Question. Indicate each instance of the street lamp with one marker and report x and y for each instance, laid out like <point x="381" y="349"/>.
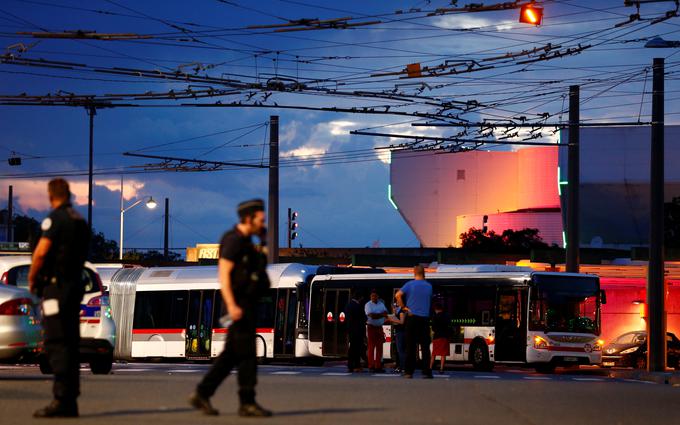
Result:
<point x="150" y="204"/>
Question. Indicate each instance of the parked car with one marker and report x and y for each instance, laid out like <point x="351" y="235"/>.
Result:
<point x="97" y="328"/>
<point x="630" y="350"/>
<point x="20" y="329"/>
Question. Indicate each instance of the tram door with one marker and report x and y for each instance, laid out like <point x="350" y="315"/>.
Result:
<point x="199" y="324"/>
<point x="511" y="326"/>
<point x="285" y="321"/>
<point x="335" y="324"/>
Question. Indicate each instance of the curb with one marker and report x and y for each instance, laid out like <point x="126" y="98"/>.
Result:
<point x="667" y="378"/>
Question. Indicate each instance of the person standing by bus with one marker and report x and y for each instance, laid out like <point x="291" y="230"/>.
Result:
<point x="398" y="322"/>
<point x="243" y="279"/>
<point x="416" y="297"/>
<point x="441" y="331"/>
<point x="376" y="312"/>
<point x="356" y="331"/>
<point x="56" y="275"/>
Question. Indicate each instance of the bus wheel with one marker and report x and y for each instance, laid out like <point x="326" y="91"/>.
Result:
<point x="546" y="368"/>
<point x="479" y="357"/>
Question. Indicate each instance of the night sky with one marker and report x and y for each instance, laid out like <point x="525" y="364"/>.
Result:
<point x="332" y="178"/>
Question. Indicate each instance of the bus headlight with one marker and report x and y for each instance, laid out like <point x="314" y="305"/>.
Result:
<point x="540" y="343"/>
<point x="598" y="345"/>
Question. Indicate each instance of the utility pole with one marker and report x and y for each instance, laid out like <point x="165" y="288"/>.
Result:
<point x="122" y="222"/>
<point x="573" y="177"/>
<point x="166" y="227"/>
<point x="273" y="213"/>
<point x="10" y="214"/>
<point x="656" y="287"/>
<point x="92" y="111"/>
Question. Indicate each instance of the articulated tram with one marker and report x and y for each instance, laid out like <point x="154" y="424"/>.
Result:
<point x="498" y="313"/>
<point x="174" y="312"/>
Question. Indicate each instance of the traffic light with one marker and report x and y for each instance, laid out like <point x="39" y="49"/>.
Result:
<point x="292" y="226"/>
<point x="531" y="14"/>
<point x="485" y="221"/>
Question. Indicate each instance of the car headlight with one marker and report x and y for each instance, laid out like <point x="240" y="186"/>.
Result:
<point x="540" y="343"/>
<point x="629" y="350"/>
<point x="598" y="345"/>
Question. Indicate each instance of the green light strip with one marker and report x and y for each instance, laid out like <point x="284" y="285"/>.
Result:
<point x="389" y="196"/>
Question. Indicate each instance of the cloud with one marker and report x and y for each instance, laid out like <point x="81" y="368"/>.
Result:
<point x="466" y="21"/>
<point x="131" y="188"/>
<point x="32" y="194"/>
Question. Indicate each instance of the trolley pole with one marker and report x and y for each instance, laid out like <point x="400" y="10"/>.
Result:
<point x="273" y="212"/>
<point x="573" y="171"/>
<point x="656" y="291"/>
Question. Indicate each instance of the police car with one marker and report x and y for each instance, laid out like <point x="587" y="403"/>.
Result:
<point x="97" y="328"/>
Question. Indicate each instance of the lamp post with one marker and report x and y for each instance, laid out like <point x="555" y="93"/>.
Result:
<point x="150" y="204"/>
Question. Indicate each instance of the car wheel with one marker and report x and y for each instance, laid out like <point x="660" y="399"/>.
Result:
<point x="641" y="362"/>
<point x="479" y="357"/>
<point x="44" y="365"/>
<point x="101" y="366"/>
<point x="547" y="368"/>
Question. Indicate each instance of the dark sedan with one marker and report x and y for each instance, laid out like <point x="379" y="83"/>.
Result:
<point x="630" y="350"/>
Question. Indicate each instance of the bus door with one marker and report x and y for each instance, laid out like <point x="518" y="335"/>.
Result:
<point x="284" y="330"/>
<point x="334" y="340"/>
<point x="199" y="324"/>
<point x="511" y="326"/>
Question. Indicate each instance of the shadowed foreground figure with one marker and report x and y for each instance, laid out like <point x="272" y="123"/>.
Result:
<point x="243" y="279"/>
<point x="56" y="275"/>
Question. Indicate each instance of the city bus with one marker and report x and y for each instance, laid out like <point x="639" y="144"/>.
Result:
<point x="499" y="314"/>
<point x="174" y="312"/>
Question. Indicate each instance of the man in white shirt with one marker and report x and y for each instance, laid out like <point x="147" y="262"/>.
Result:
<point x="376" y="312"/>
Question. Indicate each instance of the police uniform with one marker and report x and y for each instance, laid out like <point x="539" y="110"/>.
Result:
<point x="248" y="282"/>
<point x="61" y="284"/>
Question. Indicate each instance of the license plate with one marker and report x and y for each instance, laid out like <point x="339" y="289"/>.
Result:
<point x="608" y="363"/>
<point x="571" y="359"/>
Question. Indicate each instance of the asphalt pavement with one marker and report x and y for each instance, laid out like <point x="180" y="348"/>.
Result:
<point x="156" y="393"/>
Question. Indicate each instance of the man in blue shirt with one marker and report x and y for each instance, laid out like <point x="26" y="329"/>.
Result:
<point x="416" y="297"/>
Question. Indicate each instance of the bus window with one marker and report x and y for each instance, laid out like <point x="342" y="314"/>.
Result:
<point x="161" y="310"/>
<point x="468" y="306"/>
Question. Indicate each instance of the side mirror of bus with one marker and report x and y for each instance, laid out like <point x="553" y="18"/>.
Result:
<point x="603" y="296"/>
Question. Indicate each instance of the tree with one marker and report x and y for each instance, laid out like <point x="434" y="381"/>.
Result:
<point x="509" y="240"/>
<point x="150" y="256"/>
<point x="102" y="249"/>
<point x="26" y="229"/>
<point x="672" y="223"/>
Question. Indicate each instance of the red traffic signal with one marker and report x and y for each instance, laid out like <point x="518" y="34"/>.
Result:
<point x="530" y="14"/>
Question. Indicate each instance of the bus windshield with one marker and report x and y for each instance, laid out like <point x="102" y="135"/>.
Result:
<point x="565" y="304"/>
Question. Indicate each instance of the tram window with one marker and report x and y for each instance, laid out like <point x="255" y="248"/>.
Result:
<point x="265" y="310"/>
<point x="303" y="308"/>
<point x="161" y="310"/>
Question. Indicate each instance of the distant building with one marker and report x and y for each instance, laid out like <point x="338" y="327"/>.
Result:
<point x="441" y="196"/>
